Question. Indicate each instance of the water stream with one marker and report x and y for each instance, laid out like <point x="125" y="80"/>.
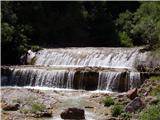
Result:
<point x="113" y="69"/>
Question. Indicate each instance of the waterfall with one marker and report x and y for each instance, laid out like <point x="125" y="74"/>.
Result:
<point x="135" y="79"/>
<point x="80" y="68"/>
<point x="42" y="77"/>
<point x="70" y="79"/>
<point x="104" y="57"/>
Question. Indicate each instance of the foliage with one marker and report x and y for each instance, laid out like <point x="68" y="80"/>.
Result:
<point x="108" y="101"/>
<point x="156" y="91"/>
<point x="37" y="107"/>
<point x="14" y="34"/>
<point x="117" y="110"/>
<point x="154" y="78"/>
<point x="142" y="26"/>
<point x="125" y="40"/>
<point x="126" y="115"/>
<point x="35" y="48"/>
<point x="151" y="113"/>
<point x="32" y="106"/>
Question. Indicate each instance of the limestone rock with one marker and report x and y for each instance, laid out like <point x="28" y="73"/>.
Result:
<point x="131" y="94"/>
<point x="73" y="113"/>
<point x="134" y="105"/>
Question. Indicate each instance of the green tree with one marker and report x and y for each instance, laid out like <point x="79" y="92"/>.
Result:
<point x="147" y="24"/>
<point x="142" y="26"/>
<point x="14" y="35"/>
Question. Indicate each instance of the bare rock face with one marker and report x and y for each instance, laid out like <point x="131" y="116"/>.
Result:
<point x="131" y="94"/>
<point x="73" y="113"/>
<point x="10" y="107"/>
<point x="134" y="105"/>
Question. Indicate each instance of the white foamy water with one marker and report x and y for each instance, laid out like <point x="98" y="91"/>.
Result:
<point x="104" y="57"/>
<point x="56" y="68"/>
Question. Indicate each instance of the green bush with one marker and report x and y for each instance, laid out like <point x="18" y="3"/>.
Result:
<point x="37" y="107"/>
<point x="108" y="101"/>
<point x="126" y="115"/>
<point x="125" y="40"/>
<point x="151" y="113"/>
<point x="117" y="110"/>
<point x="35" y="48"/>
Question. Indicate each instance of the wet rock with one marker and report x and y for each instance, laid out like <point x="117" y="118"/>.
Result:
<point x="134" y="105"/>
<point x="73" y="113"/>
<point x="10" y="107"/>
<point x="131" y="94"/>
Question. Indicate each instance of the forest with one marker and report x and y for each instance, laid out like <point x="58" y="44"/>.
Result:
<point x="32" y="25"/>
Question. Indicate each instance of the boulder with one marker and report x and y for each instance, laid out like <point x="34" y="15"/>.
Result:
<point x="10" y="107"/>
<point x="131" y="94"/>
<point x="73" y="113"/>
<point x="134" y="105"/>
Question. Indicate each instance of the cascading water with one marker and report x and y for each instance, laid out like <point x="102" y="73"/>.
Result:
<point x="104" y="57"/>
<point x="135" y="80"/>
<point x="41" y="77"/>
<point x="109" y="69"/>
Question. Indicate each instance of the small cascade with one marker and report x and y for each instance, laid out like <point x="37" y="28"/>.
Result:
<point x="135" y="79"/>
<point x="104" y="57"/>
<point x="112" y="81"/>
<point x="42" y="77"/>
<point x="73" y="79"/>
<point x="70" y="79"/>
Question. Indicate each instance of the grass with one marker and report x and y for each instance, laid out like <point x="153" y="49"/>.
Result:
<point x="155" y="78"/>
<point x="126" y="115"/>
<point x="117" y="110"/>
<point x="156" y="91"/>
<point x="32" y="106"/>
<point x="108" y="101"/>
<point x="151" y="113"/>
<point x="37" y="107"/>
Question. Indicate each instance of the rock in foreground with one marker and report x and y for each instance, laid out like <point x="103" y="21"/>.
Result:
<point x="134" y="105"/>
<point x="131" y="94"/>
<point x="10" y="107"/>
<point x="73" y="113"/>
